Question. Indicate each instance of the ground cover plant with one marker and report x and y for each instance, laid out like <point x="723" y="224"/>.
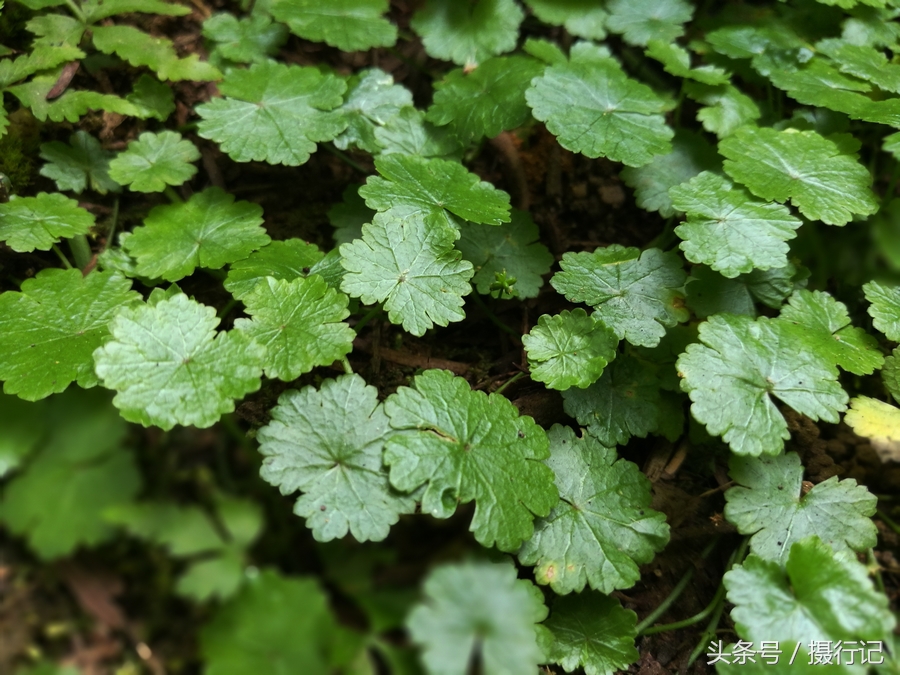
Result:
<point x="451" y="337"/>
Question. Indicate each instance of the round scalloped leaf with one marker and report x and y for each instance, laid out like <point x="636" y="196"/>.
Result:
<point x="640" y="21"/>
<point x="50" y="329"/>
<point x="467" y="445"/>
<point x="169" y="366"/>
<point x="209" y="230"/>
<point x="884" y="308"/>
<point x="273" y="112"/>
<point x="155" y="161"/>
<point x="479" y="610"/>
<point x="570" y="349"/>
<point x="349" y="25"/>
<point x="822" y="180"/>
<point x="372" y="100"/>
<point x="77" y="164"/>
<point x="251" y="39"/>
<point x="468" y="33"/>
<point x="29" y="223"/>
<point x="874" y="419"/>
<point x="299" y="322"/>
<point x="289" y="259"/>
<point x="603" y="527"/>
<point x="676" y="60"/>
<point x="328" y="444"/>
<point x="581" y="18"/>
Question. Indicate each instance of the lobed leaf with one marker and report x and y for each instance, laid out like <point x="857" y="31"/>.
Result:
<point x="288" y="260"/>
<point x="155" y="161"/>
<point x="581" y="18"/>
<point x="372" y="100"/>
<point x="884" y="308"/>
<point x="29" y="223"/>
<point x="640" y="21"/>
<point x="349" y="25"/>
<point x="251" y="39"/>
<point x="79" y="164"/>
<point x="158" y="54"/>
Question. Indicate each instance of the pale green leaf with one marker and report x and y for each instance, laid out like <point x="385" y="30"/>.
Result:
<point x="209" y="230"/>
<point x="251" y="39"/>
<point x="328" y="444"/>
<point x="479" y="610"/>
<point x="52" y="327"/>
<point x="274" y="112"/>
<point x="768" y="502"/>
<point x="603" y="527"/>
<point x="884" y="308"/>
<point x="410" y="267"/>
<point x="170" y="367"/>
<point x="466" y="445"/>
<point x="79" y="164"/>
<point x="288" y="260"/>
<point x="728" y="229"/>
<point x="372" y="100"/>
<point x="637" y="294"/>
<point x="408" y="133"/>
<point x="349" y="25"/>
<point x="732" y="377"/>
<point x="725" y="109"/>
<point x="640" y="21"/>
<point x="299" y="322"/>
<point x="29" y="223"/>
<point x="676" y="60"/>
<point x="569" y="349"/>
<point x="468" y="33"/>
<point x="154" y="161"/>
<point x="821" y="180"/>
<point x="581" y="18"/>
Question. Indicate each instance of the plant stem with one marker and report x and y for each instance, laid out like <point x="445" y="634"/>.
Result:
<point x="709" y="632"/>
<point x="875" y="570"/>
<point x="347" y="367"/>
<point x="81" y="251"/>
<point x="514" y="378"/>
<point x="114" y="222"/>
<point x="697" y="618"/>
<point x="63" y="259"/>
<point x="222" y="313"/>
<point x="367" y="317"/>
<point x="76" y="10"/>
<point x="890" y="522"/>
<point x="344" y="157"/>
<point x="172" y="195"/>
<point x="493" y="317"/>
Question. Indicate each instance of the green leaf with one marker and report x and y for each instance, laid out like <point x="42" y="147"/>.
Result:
<point x="158" y="54"/>
<point x="154" y="161"/>
<point x="251" y="39"/>
<point x="864" y="62"/>
<point x="23" y="427"/>
<point x="487" y="100"/>
<point x="884" y="308"/>
<point x="690" y="155"/>
<point x="732" y="377"/>
<point x="594" y="108"/>
<point x="50" y="329"/>
<point x="29" y="223"/>
<point x="274" y="112"/>
<point x="152" y="98"/>
<point x="676" y="60"/>
<point x="328" y="443"/>
<point x="73" y="104"/>
<point x="640" y="21"/>
<point x="725" y="109"/>
<point x="97" y="10"/>
<point x="288" y="260"/>
<point x="434" y="187"/>
<point x="581" y="18"/>
<point x="891" y="374"/>
<point x="768" y="502"/>
<point x="592" y="631"/>
<point x="218" y="577"/>
<point x="170" y="367"/>
<point x="469" y="445"/>
<point x="816" y="595"/>
<point x="728" y="229"/>
<point x="467" y="33"/>
<point x="875" y="420"/>
<point x="708" y="292"/>
<point x="570" y="349"/>
<point x="80" y="470"/>
<point x="349" y="25"/>
<point x="824" y="324"/>
<point x="43" y="58"/>
<point x="372" y="100"/>
<point x="624" y="402"/>
<point x="821" y="180"/>
<point x="479" y="610"/>
<point x="299" y="322"/>
<point x="512" y="248"/>
<point x="79" y="164"/>
<point x="408" y="133"/>
<point x="410" y="267"/>
<point x="603" y="526"/>
<point x="183" y="530"/>
<point x="209" y="230"/>
<point x="348" y="217"/>
<point x="275" y="625"/>
<point x="637" y="294"/>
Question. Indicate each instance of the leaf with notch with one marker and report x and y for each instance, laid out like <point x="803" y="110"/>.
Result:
<point x="676" y="60"/>
<point x="465" y="445"/>
<point x="154" y="161"/>
<point x="410" y="267"/>
<point x="349" y="25"/>
<point x="637" y="294"/>
<point x="884" y="308"/>
<point x="51" y="327"/>
<point x="251" y="39"/>
<point x="288" y="260"/>
<point x="822" y="180"/>
<point x="603" y="527"/>
<point x="299" y="322"/>
<point x="408" y="133"/>
<point x="768" y="503"/>
<point x="29" y="223"/>
<point x="169" y="366"/>
<point x="467" y="33"/>
<point x="581" y="18"/>
<point x="209" y="230"/>
<point x="158" y="54"/>
<point x="640" y="21"/>
<point x="372" y="100"/>
<point x="725" y="108"/>
<point x="274" y="112"/>
<point x="328" y="443"/>
<point x="79" y="164"/>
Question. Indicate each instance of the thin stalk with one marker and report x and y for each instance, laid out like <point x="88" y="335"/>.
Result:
<point x="514" y="378"/>
<point x="875" y="569"/>
<point x="367" y="317"/>
<point x="222" y="313"/>
<point x="697" y="618"/>
<point x="114" y="223"/>
<point x="709" y="632"/>
<point x="62" y="258"/>
<point x="493" y="317"/>
<point x="76" y="10"/>
<point x="343" y="156"/>
<point x="172" y="195"/>
<point x="890" y="522"/>
<point x="81" y="251"/>
<point x="889" y="190"/>
<point x="347" y="367"/>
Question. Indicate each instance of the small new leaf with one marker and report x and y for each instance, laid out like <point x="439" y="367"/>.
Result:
<point x="288" y="260"/>
<point x="79" y="164"/>
<point x="768" y="503"/>
<point x="29" y="223"/>
<point x="637" y="294"/>
<point x="154" y="161"/>
<point x="349" y="25"/>
<point x="170" y="367"/>
<point x="603" y="527"/>
<point x="468" y="445"/>
<point x="570" y="349"/>
<point x="884" y="308"/>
